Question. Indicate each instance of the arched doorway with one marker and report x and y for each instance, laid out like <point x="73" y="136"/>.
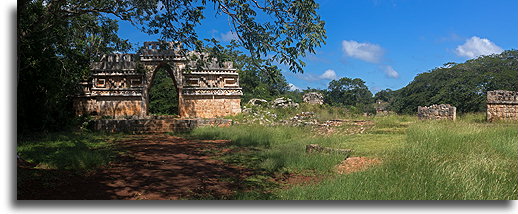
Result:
<point x="120" y="85"/>
<point x="162" y="92"/>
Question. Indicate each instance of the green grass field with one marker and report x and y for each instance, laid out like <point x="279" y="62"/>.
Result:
<point x="468" y="159"/>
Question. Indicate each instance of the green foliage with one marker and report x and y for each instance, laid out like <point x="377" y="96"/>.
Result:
<point x="57" y="40"/>
<point x="258" y="77"/>
<point x="74" y="151"/>
<point x="163" y="98"/>
<point x="386" y="95"/>
<point x="55" y="47"/>
<point x="349" y="92"/>
<point x="462" y="85"/>
<point x="288" y="29"/>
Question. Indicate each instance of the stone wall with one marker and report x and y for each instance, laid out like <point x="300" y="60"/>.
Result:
<point x="502" y="105"/>
<point x="437" y="112"/>
<point x="109" y="106"/>
<point x="119" y="84"/>
<point x="208" y="106"/>
<point x="156" y="125"/>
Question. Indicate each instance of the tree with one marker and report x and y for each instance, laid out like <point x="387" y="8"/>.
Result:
<point x="54" y="51"/>
<point x="462" y="85"/>
<point x="57" y="40"/>
<point x="163" y="98"/>
<point x="386" y="95"/>
<point x="347" y="91"/>
<point x="258" y="77"/>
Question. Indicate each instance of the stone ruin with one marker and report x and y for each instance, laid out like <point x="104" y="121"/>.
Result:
<point x="382" y="108"/>
<point x="283" y="102"/>
<point x="502" y="105"/>
<point x="437" y="112"/>
<point x="119" y="84"/>
<point x="257" y="102"/>
<point x="313" y="98"/>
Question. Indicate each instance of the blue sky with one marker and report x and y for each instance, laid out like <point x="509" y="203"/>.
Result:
<point x="388" y="42"/>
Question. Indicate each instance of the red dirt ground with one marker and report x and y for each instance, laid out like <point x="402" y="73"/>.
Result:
<point x="155" y="167"/>
<point x="355" y="164"/>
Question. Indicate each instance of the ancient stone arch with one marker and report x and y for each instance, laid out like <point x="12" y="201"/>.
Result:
<point x="119" y="84"/>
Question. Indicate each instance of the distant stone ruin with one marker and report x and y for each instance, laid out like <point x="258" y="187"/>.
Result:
<point x="382" y="108"/>
<point x="313" y="98"/>
<point x="502" y="105"/>
<point x="120" y="83"/>
<point x="437" y="112"/>
<point x="283" y="102"/>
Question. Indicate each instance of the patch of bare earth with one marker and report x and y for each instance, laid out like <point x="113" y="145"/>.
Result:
<point x="153" y="167"/>
<point x="356" y="164"/>
<point x="286" y="180"/>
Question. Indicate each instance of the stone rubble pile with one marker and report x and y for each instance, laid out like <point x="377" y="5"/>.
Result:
<point x="302" y="119"/>
<point x="283" y="102"/>
<point x="257" y="102"/>
<point x="313" y="98"/>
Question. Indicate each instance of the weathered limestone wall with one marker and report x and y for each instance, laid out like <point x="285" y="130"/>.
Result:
<point x="112" y="106"/>
<point x="502" y="105"/>
<point x="437" y="112"/>
<point x="119" y="84"/>
<point x="208" y="106"/>
<point x="156" y="125"/>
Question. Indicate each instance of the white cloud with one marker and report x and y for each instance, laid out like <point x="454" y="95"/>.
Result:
<point x="389" y="71"/>
<point x="364" y="51"/>
<point x="475" y="46"/>
<point x="293" y="87"/>
<point x="229" y="36"/>
<point x="328" y="74"/>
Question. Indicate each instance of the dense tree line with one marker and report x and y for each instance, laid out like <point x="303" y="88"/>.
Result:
<point x="462" y="85"/>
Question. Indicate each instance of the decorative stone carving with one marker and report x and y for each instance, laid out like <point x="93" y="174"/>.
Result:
<point x="119" y="84"/>
<point x="313" y="98"/>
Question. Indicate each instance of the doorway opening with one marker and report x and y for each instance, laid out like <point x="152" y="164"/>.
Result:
<point x="163" y="95"/>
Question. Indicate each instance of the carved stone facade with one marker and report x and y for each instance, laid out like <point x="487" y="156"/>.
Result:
<point x="502" y="105"/>
<point x="437" y="112"/>
<point x="119" y="84"/>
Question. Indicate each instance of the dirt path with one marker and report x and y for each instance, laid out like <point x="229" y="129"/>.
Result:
<point x="155" y="167"/>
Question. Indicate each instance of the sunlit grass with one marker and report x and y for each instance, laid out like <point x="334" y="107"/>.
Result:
<point x="466" y="159"/>
<point x="440" y="161"/>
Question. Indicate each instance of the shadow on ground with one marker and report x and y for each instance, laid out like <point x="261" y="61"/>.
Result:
<point x="152" y="167"/>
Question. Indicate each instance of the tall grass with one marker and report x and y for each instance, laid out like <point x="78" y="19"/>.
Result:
<point x="441" y="160"/>
<point x="280" y="149"/>
<point x="74" y="151"/>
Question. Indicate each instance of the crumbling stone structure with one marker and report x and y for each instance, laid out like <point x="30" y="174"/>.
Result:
<point x="437" y="112"/>
<point x="382" y="108"/>
<point x="313" y="98"/>
<point x="502" y="105"/>
<point x="119" y="84"/>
